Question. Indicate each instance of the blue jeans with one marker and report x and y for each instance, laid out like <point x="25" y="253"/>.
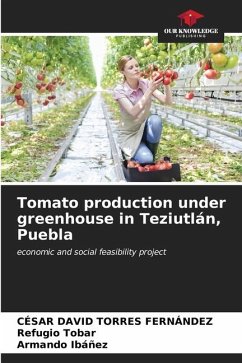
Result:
<point x="152" y="134"/>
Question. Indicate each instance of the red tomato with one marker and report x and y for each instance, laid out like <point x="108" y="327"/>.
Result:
<point x="189" y="96"/>
<point x="18" y="85"/>
<point x="152" y="167"/>
<point x="131" y="164"/>
<point x="166" y="81"/>
<point x="169" y="73"/>
<point x="205" y="65"/>
<point x="147" y="167"/>
<point x="161" y="166"/>
<point x="175" y="75"/>
<point x="20" y="102"/>
<point x="210" y="74"/>
<point x="168" y="165"/>
<point x="41" y="76"/>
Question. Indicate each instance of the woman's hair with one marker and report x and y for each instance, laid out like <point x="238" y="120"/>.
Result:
<point x="123" y="60"/>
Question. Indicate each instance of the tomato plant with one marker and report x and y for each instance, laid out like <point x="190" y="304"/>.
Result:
<point x="147" y="51"/>
<point x="52" y="61"/>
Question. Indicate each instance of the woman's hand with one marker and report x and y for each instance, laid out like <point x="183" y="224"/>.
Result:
<point x="155" y="84"/>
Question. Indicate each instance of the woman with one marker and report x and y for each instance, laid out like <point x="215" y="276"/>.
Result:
<point x="140" y="132"/>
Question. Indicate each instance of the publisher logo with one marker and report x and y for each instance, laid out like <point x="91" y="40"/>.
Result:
<point x="194" y="26"/>
<point x="190" y="17"/>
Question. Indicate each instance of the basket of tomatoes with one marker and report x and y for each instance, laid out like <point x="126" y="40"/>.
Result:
<point x="162" y="170"/>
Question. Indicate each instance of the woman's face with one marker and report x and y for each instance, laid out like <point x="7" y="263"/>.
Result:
<point x="131" y="69"/>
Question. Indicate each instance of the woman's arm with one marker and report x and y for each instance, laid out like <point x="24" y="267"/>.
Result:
<point x="134" y="110"/>
<point x="165" y="98"/>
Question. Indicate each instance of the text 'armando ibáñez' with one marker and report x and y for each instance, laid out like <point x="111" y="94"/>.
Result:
<point x="94" y="212"/>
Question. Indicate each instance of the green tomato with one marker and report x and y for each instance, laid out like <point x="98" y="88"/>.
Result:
<point x="162" y="46"/>
<point x="162" y="54"/>
<point x="20" y="77"/>
<point x="143" y="49"/>
<point x="152" y="58"/>
<point x="6" y="56"/>
<point x="6" y="47"/>
<point x="28" y="56"/>
<point x="232" y="61"/>
<point x="39" y="62"/>
<point x="50" y="68"/>
<point x="142" y="60"/>
<point x="220" y="59"/>
<point x="151" y="51"/>
<point x="139" y="54"/>
<point x="218" y="68"/>
<point x="34" y="62"/>
<point x="39" y="55"/>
